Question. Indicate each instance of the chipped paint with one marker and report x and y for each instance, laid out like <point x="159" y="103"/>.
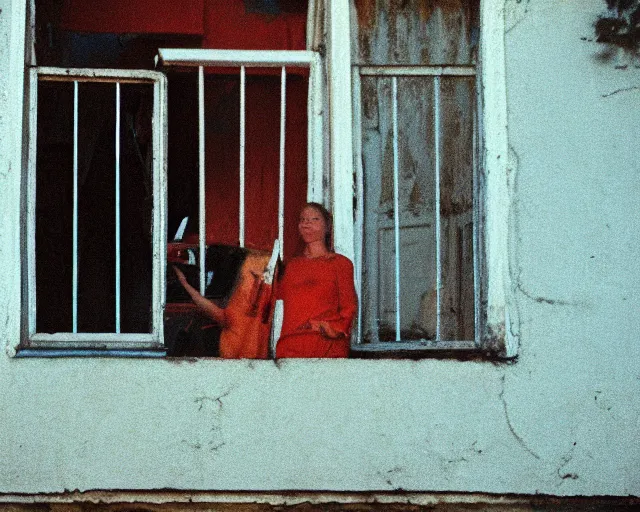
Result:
<point x="403" y="31"/>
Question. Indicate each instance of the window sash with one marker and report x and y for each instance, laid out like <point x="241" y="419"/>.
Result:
<point x="108" y="340"/>
<point x="243" y="59"/>
<point x="394" y="72"/>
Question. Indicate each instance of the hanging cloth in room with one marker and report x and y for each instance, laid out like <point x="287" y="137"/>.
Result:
<point x="138" y="16"/>
<point x="228" y="25"/>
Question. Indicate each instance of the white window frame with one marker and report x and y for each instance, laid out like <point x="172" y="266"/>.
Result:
<point x="33" y="340"/>
<point x="435" y="74"/>
<point x="497" y="322"/>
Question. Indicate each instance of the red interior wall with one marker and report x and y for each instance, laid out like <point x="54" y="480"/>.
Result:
<point x="223" y="23"/>
<point x="228" y="25"/>
<point x="135" y="16"/>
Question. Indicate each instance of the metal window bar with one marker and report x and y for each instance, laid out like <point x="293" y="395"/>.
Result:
<point x="283" y="116"/>
<point x="117" y="220"/>
<point x="242" y="151"/>
<point x="436" y="143"/>
<point x="107" y="340"/>
<point x="436" y="73"/>
<point x="359" y="214"/>
<point x="202" y="230"/>
<point x="396" y="203"/>
<point x="476" y="206"/>
<point x="74" y="299"/>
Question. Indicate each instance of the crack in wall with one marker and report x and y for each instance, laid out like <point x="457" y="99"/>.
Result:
<point x="201" y="400"/>
<point x="522" y="6"/>
<point x="545" y="300"/>
<point x="515" y="268"/>
<point x="389" y="474"/>
<point x="564" y="460"/>
<point x="214" y="440"/>
<point x="623" y="89"/>
<point x="518" y="438"/>
<point x="513" y="313"/>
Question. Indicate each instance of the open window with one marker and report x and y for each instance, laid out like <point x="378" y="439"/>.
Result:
<point x="258" y="125"/>
<point x="223" y="120"/>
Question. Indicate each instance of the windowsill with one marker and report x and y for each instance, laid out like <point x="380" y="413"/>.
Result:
<point x="425" y="349"/>
<point x="50" y="353"/>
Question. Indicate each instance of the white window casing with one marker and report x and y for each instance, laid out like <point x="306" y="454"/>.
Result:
<point x="116" y="340"/>
<point x="433" y="75"/>
<point x="244" y="59"/>
<point x="499" y="331"/>
<point x="340" y="124"/>
<point x="497" y="328"/>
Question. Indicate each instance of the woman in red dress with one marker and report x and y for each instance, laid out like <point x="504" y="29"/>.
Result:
<point x="318" y="293"/>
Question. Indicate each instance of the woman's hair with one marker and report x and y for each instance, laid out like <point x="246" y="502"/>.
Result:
<point x="328" y="220"/>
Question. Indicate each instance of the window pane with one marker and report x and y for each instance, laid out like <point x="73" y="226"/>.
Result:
<point x="188" y="333"/>
<point x="416" y="180"/>
<point x="54" y="207"/>
<point x="222" y="150"/>
<point x="456" y="208"/>
<point x="96" y="214"/>
<point x="417" y="157"/>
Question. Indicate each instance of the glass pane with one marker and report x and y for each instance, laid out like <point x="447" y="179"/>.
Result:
<point x="136" y="207"/>
<point x="416" y="198"/>
<point x="96" y="252"/>
<point x="187" y="332"/>
<point x="456" y="208"/>
<point x="54" y="207"/>
<point x="416" y="147"/>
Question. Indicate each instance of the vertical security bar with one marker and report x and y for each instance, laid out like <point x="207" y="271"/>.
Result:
<point x="436" y="90"/>
<point x="242" y="144"/>
<point x="283" y="110"/>
<point x="74" y="299"/>
<point x="396" y="201"/>
<point x="201" y="182"/>
<point x="117" y="207"/>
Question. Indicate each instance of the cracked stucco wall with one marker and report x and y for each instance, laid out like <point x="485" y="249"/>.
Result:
<point x="563" y="419"/>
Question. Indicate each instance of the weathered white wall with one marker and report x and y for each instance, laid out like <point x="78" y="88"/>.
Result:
<point x="563" y="419"/>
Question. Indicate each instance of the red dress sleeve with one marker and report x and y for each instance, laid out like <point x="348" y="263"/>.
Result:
<point x="347" y="298"/>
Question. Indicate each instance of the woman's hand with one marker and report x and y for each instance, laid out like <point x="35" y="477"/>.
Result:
<point x="324" y="328"/>
<point x="205" y="305"/>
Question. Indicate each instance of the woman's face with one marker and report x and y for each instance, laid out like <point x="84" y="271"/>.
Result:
<point x="312" y="226"/>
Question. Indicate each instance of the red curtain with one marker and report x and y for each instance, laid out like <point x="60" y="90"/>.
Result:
<point x="224" y="23"/>
<point x="261" y="167"/>
<point x="227" y="25"/>
<point x="134" y="16"/>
